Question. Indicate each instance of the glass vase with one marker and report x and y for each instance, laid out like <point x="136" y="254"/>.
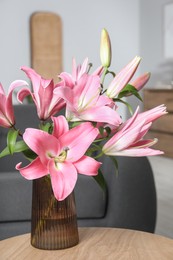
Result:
<point x="53" y="222"/>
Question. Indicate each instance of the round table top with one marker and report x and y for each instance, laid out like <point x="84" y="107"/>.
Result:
<point x="95" y="243"/>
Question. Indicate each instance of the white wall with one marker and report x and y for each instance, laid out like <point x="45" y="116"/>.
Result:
<point x="152" y="33"/>
<point x="82" y="24"/>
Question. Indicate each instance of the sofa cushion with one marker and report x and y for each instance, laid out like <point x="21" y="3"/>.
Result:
<point x="26" y="116"/>
<point x="10" y="229"/>
<point x="15" y="197"/>
<point x="91" y="200"/>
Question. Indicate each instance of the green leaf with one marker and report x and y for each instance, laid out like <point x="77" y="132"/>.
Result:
<point x="11" y="139"/>
<point x="111" y="72"/>
<point x="99" y="178"/>
<point x="29" y="154"/>
<point x="101" y="130"/>
<point x="129" y="90"/>
<point x="94" y="151"/>
<point x="20" y="146"/>
<point x="46" y="127"/>
<point x="125" y="103"/>
<point x="108" y="130"/>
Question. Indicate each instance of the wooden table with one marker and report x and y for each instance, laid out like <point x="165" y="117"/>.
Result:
<point x="95" y="243"/>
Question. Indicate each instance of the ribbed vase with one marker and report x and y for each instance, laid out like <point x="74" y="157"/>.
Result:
<point x="54" y="223"/>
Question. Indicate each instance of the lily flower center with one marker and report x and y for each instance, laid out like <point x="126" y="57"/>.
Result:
<point x="61" y="157"/>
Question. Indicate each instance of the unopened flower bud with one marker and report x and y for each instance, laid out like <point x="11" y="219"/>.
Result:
<point x="140" y="82"/>
<point x="105" y="49"/>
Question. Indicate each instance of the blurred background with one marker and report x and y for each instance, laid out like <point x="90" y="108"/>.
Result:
<point x="136" y="27"/>
<point x="82" y="22"/>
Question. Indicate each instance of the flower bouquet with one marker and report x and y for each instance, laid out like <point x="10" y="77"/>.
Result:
<point x="64" y="146"/>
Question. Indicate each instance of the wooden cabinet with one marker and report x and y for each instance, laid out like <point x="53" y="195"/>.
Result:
<point x="163" y="127"/>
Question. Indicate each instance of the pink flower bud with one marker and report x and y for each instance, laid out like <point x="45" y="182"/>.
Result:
<point x="140" y="82"/>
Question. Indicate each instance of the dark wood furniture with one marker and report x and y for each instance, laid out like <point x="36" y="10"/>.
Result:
<point x="163" y="127"/>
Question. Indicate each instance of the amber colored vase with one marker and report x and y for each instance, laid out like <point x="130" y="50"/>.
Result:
<point x="54" y="223"/>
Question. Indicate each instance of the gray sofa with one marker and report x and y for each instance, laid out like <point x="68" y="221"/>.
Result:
<point x="130" y="200"/>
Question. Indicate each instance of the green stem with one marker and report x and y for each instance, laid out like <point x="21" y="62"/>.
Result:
<point x="99" y="155"/>
<point x="104" y="75"/>
<point x="19" y="132"/>
<point x="41" y="221"/>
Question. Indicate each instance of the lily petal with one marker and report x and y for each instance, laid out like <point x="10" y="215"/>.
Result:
<point x="6" y="107"/>
<point x="78" y="140"/>
<point x="83" y="68"/>
<point x="153" y="114"/>
<point x="136" y="152"/>
<point x="42" y="143"/>
<point x="65" y="93"/>
<point x="140" y="82"/>
<point x="90" y="93"/>
<point x="121" y="142"/>
<point x="63" y="179"/>
<point x="34" y="170"/>
<point x="60" y="126"/>
<point x="33" y="76"/>
<point x="24" y="92"/>
<point x="122" y="78"/>
<point x="67" y="78"/>
<point x="46" y="101"/>
<point x="102" y="114"/>
<point x="87" y="165"/>
<point x="128" y="140"/>
<point x="9" y="106"/>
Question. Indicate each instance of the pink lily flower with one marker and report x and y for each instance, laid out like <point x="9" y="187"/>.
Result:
<point x="70" y="80"/>
<point x="47" y="102"/>
<point x="7" y="118"/>
<point x="77" y="72"/>
<point x="122" y="78"/>
<point x="152" y="114"/>
<point x="84" y="102"/>
<point x="140" y="82"/>
<point x="61" y="155"/>
<point x="128" y="141"/>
